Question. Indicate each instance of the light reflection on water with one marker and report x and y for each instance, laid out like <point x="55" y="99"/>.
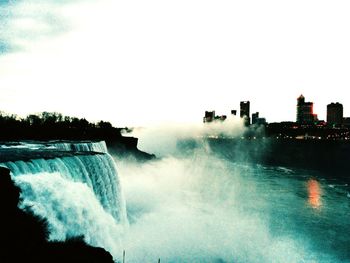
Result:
<point x="314" y="194"/>
<point x="306" y="205"/>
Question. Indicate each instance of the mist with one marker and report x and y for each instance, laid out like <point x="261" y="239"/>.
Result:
<point x="163" y="139"/>
<point x="204" y="209"/>
<point x="200" y="207"/>
<point x="191" y="206"/>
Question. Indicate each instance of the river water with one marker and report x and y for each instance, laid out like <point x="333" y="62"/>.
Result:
<point x="194" y="204"/>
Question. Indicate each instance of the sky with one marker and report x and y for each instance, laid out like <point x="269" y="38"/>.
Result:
<point x="139" y="62"/>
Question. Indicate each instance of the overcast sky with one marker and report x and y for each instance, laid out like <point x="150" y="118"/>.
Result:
<point x="142" y="62"/>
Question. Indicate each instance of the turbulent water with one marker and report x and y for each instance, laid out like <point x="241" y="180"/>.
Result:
<point x="204" y="208"/>
<point x="80" y="147"/>
<point x="191" y="206"/>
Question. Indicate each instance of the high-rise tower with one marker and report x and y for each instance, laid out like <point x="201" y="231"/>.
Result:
<point x="245" y="112"/>
<point x="305" y="114"/>
<point x="335" y="114"/>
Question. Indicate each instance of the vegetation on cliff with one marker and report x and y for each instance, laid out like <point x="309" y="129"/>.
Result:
<point x="53" y="125"/>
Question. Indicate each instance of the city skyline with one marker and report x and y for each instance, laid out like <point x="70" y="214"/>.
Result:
<point x="169" y="62"/>
<point x="304" y="113"/>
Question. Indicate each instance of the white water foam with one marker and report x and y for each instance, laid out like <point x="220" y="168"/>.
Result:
<point x="97" y="171"/>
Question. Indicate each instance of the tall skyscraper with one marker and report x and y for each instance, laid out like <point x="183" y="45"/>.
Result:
<point x="245" y="112"/>
<point x="305" y="114"/>
<point x="335" y="114"/>
<point x="255" y="117"/>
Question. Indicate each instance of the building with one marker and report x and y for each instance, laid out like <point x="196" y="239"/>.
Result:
<point x="346" y="122"/>
<point x="255" y="117"/>
<point x="261" y="121"/>
<point x="335" y="114"/>
<point x="209" y="116"/>
<point x="256" y="120"/>
<point x="305" y="114"/>
<point x="245" y="112"/>
<point x="220" y="118"/>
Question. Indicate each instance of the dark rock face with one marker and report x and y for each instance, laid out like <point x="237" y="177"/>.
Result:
<point x="24" y="236"/>
<point x="126" y="147"/>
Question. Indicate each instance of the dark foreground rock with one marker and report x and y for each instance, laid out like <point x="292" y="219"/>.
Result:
<point x="24" y="236"/>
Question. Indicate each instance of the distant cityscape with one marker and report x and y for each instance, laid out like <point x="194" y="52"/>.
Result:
<point x="244" y="114"/>
<point x="306" y="126"/>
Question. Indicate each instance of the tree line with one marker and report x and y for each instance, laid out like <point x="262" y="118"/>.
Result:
<point x="54" y="125"/>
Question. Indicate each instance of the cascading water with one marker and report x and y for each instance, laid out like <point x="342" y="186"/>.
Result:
<point x="71" y="208"/>
<point x="85" y="146"/>
<point x="81" y="146"/>
<point x="98" y="171"/>
<point x="197" y="207"/>
<point x="79" y="194"/>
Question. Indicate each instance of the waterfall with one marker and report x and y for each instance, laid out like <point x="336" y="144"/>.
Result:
<point x="80" y="146"/>
<point x="75" y="146"/>
<point x="95" y="170"/>
<point x="71" y="208"/>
